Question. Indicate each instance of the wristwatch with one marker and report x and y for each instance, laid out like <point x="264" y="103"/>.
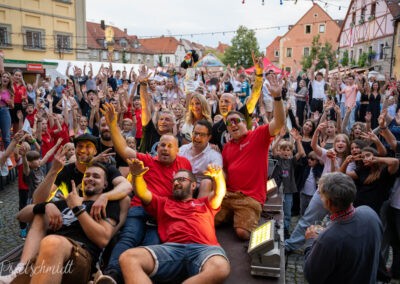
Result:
<point x="78" y="209"/>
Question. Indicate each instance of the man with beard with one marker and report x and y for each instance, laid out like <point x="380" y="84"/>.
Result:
<point x="140" y="228"/>
<point x="106" y="147"/>
<point x="60" y="176"/>
<point x="227" y="102"/>
<point x="190" y="247"/>
<point x="71" y="249"/>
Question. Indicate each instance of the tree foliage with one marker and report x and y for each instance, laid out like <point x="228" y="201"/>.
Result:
<point x="242" y="45"/>
<point x="345" y="59"/>
<point x="320" y="51"/>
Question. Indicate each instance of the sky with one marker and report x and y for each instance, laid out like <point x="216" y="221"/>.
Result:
<point x="188" y="17"/>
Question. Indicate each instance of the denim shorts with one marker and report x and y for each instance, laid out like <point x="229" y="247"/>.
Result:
<point x="175" y="261"/>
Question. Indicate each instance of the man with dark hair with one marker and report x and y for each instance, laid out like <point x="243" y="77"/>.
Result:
<point x="200" y="154"/>
<point x="140" y="228"/>
<point x="246" y="185"/>
<point x="351" y="242"/>
<point x="186" y="227"/>
<point x="69" y="252"/>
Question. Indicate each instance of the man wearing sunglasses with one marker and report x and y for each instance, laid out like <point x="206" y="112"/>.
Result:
<point x="245" y="161"/>
<point x="186" y="227"/>
<point x="227" y="102"/>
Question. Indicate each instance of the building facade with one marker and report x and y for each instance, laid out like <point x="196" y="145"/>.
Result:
<point x="296" y="43"/>
<point x="369" y="31"/>
<point x="166" y="50"/>
<point x="38" y="29"/>
<point x="272" y="51"/>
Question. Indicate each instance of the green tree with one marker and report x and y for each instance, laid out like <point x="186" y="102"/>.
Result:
<point x="363" y="60"/>
<point x="242" y="45"/>
<point x="345" y="58"/>
<point x="320" y="51"/>
<point x="160" y="61"/>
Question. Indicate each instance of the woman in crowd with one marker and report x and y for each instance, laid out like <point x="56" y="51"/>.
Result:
<point x="6" y="104"/>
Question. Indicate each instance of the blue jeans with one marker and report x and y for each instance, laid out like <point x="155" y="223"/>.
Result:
<point x="5" y="126"/>
<point x="315" y="212"/>
<point x="287" y="209"/>
<point x="172" y="260"/>
<point x="134" y="233"/>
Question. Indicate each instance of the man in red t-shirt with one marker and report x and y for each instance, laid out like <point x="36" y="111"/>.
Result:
<point x="246" y="167"/>
<point x="186" y="228"/>
<point x="140" y="227"/>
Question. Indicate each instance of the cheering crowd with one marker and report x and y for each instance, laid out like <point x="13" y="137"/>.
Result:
<point x="145" y="165"/>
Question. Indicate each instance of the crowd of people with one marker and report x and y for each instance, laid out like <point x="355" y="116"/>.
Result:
<point x="145" y="165"/>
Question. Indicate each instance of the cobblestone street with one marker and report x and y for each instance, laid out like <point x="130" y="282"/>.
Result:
<point x="9" y="232"/>
<point x="9" y="227"/>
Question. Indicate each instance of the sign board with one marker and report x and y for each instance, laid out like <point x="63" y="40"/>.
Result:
<point x="34" y="67"/>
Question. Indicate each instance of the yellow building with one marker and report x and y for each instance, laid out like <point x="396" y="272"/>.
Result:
<point x="33" y="30"/>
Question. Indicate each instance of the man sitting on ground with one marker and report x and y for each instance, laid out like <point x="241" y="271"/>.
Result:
<point x="69" y="253"/>
<point x="186" y="228"/>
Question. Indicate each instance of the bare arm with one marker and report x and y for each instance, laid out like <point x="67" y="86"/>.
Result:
<point x="118" y="140"/>
<point x="275" y="90"/>
<point x="314" y="141"/>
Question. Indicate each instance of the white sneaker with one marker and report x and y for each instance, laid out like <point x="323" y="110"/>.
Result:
<point x="6" y="279"/>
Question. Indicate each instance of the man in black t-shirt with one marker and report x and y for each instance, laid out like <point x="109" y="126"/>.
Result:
<point x="59" y="177"/>
<point x="71" y="249"/>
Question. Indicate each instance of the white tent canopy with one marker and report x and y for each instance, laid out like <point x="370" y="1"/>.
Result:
<point x="62" y="66"/>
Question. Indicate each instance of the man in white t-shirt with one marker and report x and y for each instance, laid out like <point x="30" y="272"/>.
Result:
<point x="318" y="87"/>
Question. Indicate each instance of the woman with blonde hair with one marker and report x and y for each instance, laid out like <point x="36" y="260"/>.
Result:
<point x="198" y="109"/>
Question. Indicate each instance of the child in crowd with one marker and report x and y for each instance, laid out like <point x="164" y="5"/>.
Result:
<point x="285" y="172"/>
<point x="70" y="153"/>
<point x="32" y="167"/>
<point x="309" y="182"/>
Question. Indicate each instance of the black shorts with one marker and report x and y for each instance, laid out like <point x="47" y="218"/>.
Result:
<point x="317" y="105"/>
<point x="13" y="113"/>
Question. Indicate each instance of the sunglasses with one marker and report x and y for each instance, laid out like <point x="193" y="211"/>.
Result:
<point x="181" y="179"/>
<point x="233" y="121"/>
<point x="312" y="159"/>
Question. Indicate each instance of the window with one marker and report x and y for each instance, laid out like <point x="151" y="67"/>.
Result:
<point x="128" y="56"/>
<point x="34" y="39"/>
<point x="360" y="52"/>
<point x="93" y="53"/>
<point x="381" y="48"/>
<point x="116" y="55"/>
<point x="351" y="54"/>
<point x="5" y="35"/>
<point x="373" y="10"/>
<point x="322" y="28"/>
<point x="353" y="18"/>
<point x="308" y="29"/>
<point x="289" y="52"/>
<point x="63" y="42"/>
<point x="362" y="16"/>
<point x="123" y="43"/>
<point x="306" y="51"/>
<point x="104" y="55"/>
<point x="167" y="60"/>
<point x="276" y="53"/>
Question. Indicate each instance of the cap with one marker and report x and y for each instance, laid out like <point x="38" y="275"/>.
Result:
<point x="86" y="137"/>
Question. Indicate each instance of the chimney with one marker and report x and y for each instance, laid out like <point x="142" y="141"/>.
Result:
<point x="125" y="31"/>
<point x="102" y="25"/>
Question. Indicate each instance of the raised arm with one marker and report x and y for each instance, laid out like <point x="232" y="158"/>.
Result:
<point x="118" y="140"/>
<point x="385" y="132"/>
<point x="216" y="196"/>
<point x="314" y="141"/>
<point x="137" y="170"/>
<point x="300" y="149"/>
<point x="275" y="90"/>
<point x="256" y="91"/>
